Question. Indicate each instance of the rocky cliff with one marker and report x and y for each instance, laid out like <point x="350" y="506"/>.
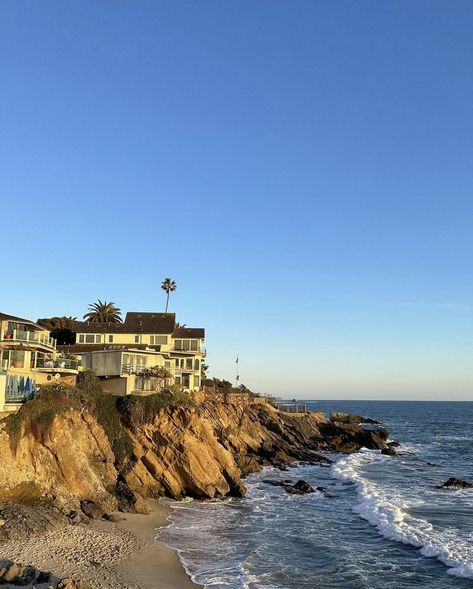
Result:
<point x="202" y="450"/>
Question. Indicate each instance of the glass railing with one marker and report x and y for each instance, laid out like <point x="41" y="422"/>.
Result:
<point x="57" y="364"/>
<point x="202" y="351"/>
<point x="33" y="337"/>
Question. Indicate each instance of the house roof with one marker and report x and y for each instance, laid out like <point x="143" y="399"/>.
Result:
<point x="158" y="323"/>
<point x="5" y="317"/>
<point x="189" y="332"/>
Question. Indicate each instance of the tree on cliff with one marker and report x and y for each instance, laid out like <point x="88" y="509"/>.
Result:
<point x="168" y="286"/>
<point x="103" y="313"/>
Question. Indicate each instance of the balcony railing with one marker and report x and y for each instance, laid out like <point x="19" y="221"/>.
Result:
<point x="201" y="351"/>
<point x="32" y="337"/>
<point x="132" y="368"/>
<point x="57" y="365"/>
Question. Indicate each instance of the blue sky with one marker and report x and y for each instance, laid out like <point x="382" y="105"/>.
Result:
<point x="302" y="169"/>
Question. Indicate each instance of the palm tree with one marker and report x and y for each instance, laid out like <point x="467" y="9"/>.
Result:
<point x="103" y="313"/>
<point x="168" y="286"/>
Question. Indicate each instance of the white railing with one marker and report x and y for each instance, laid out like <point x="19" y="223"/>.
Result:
<point x="132" y="368"/>
<point x="32" y="337"/>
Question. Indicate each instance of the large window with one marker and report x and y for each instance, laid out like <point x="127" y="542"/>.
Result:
<point x="187" y="345"/>
<point x="158" y="339"/>
<point x="90" y="338"/>
<point x="17" y="359"/>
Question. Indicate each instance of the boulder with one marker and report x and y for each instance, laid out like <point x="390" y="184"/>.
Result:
<point x="338" y="417"/>
<point x="91" y="509"/>
<point x="456" y="483"/>
<point x="389" y="451"/>
<point x="300" y="488"/>
<point x="112" y="517"/>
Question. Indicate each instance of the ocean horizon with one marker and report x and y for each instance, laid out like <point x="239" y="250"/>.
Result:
<point x="381" y="522"/>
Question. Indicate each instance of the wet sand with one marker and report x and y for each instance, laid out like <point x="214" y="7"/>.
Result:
<point x="107" y="555"/>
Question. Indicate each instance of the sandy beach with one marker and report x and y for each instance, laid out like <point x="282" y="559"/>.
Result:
<point x="121" y="555"/>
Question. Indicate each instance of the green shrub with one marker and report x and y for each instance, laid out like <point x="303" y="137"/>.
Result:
<point x="36" y="417"/>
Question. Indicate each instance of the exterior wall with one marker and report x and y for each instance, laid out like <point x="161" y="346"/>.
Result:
<point x="128" y="339"/>
<point x="103" y="364"/>
<point x="115" y="386"/>
<point x="174" y="351"/>
<point x="3" y="384"/>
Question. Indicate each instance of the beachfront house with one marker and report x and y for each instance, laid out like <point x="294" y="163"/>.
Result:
<point x="145" y="353"/>
<point x="28" y="359"/>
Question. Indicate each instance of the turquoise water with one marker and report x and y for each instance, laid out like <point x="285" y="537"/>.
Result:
<point x="381" y="523"/>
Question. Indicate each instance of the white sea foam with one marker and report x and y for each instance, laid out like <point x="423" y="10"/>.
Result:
<point x="387" y="510"/>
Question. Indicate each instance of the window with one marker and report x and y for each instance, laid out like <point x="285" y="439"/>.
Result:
<point x="159" y="339"/>
<point x="89" y="339"/>
<point x="196" y="380"/>
<point x="98" y="339"/>
<point x="137" y="339"/>
<point x="81" y="338"/>
<point x="197" y="365"/>
<point x="110" y="339"/>
<point x="189" y="363"/>
<point x="194" y="345"/>
<point x="167" y="364"/>
<point x="17" y="359"/>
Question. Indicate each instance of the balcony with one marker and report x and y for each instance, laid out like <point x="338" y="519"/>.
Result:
<point x="201" y="351"/>
<point x="132" y="368"/>
<point x="57" y="365"/>
<point x="27" y="337"/>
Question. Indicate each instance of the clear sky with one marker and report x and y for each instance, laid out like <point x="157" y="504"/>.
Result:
<point x="302" y="169"/>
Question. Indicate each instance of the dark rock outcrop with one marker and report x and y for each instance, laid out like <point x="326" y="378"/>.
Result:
<point x="338" y="417"/>
<point x="456" y="483"/>
<point x="18" y="575"/>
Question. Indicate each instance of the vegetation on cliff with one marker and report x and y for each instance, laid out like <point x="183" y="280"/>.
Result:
<point x="73" y="445"/>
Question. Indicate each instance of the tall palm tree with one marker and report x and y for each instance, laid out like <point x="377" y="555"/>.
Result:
<point x="168" y="286"/>
<point x="103" y="313"/>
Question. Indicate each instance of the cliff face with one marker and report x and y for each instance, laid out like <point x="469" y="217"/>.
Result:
<point x="202" y="451"/>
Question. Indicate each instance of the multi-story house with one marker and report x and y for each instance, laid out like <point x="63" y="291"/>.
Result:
<point x="28" y="358"/>
<point x="144" y="353"/>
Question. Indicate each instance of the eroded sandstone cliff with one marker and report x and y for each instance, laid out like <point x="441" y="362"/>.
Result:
<point x="202" y="450"/>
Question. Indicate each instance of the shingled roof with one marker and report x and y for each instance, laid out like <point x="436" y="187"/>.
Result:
<point x="135" y="322"/>
<point x="189" y="332"/>
<point x="5" y="317"/>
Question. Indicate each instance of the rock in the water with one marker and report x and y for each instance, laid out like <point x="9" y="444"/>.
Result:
<point x="457" y="483"/>
<point x="348" y="418"/>
<point x="389" y="451"/>
<point x="300" y="488"/>
<point x="283" y="483"/>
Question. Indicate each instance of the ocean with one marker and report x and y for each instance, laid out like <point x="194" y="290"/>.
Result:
<point x="382" y="522"/>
